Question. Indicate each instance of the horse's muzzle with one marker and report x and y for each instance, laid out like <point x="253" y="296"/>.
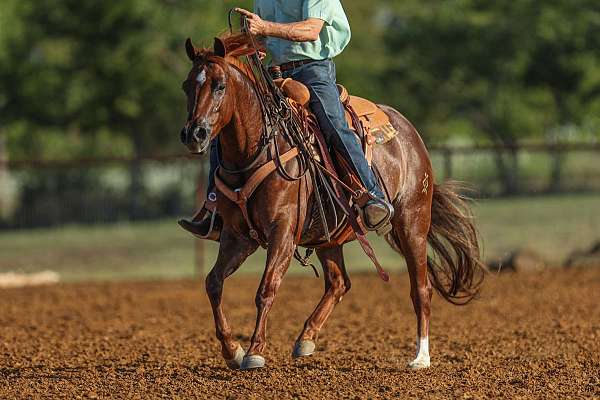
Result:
<point x="196" y="138"/>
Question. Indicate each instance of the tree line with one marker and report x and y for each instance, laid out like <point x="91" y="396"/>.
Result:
<point x="103" y="78"/>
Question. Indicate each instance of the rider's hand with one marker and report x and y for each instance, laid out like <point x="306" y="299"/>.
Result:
<point x="256" y="25"/>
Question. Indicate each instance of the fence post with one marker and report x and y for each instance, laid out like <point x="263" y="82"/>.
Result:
<point x="3" y="175"/>
<point x="199" y="243"/>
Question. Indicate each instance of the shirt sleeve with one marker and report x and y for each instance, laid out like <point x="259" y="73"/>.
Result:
<point x="318" y="9"/>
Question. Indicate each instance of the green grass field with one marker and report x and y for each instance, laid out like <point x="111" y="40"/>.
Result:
<point x="552" y="225"/>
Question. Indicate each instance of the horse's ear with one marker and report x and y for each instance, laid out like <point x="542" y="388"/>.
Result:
<point x="190" y="49"/>
<point x="219" y="48"/>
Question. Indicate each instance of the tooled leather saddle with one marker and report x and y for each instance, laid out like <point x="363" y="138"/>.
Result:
<point x="369" y="122"/>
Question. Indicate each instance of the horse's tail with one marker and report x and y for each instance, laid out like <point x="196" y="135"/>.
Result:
<point x="455" y="269"/>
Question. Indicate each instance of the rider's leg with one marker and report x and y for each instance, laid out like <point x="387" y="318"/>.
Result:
<point x="206" y="224"/>
<point x="320" y="78"/>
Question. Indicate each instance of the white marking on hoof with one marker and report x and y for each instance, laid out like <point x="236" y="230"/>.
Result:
<point x="238" y="357"/>
<point x="303" y="348"/>
<point x="252" y="362"/>
<point x="422" y="359"/>
<point x="419" y="363"/>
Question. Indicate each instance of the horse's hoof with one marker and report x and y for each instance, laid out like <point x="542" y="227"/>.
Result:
<point x="253" y="361"/>
<point x="303" y="348"/>
<point x="238" y="357"/>
<point x="419" y="363"/>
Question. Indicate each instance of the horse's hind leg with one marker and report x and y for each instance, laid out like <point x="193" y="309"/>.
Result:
<point x="410" y="232"/>
<point x="337" y="283"/>
<point x="232" y="253"/>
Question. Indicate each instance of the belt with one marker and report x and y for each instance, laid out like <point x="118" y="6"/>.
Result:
<point x="295" y="64"/>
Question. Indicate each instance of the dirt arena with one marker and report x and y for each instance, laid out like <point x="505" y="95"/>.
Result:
<point x="528" y="336"/>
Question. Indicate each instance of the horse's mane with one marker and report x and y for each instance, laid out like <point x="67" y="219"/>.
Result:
<point x="229" y="47"/>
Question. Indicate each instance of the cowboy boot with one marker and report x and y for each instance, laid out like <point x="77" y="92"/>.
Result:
<point x="377" y="215"/>
<point x="205" y="224"/>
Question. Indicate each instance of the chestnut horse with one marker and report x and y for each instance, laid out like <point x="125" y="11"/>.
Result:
<point x="222" y="100"/>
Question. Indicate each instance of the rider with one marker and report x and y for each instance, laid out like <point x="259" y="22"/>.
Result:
<point x="302" y="37"/>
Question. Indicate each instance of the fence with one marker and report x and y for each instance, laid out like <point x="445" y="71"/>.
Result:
<point x="525" y="169"/>
<point x="79" y="198"/>
<point x="46" y="193"/>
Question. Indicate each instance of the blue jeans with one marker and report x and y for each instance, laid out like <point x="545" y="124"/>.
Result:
<point x="320" y="78"/>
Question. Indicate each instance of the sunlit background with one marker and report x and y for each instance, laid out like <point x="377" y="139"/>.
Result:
<point x="93" y="178"/>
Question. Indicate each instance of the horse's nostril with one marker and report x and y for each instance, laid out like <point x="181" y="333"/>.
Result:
<point x="200" y="133"/>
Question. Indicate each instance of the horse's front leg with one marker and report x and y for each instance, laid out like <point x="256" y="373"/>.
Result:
<point x="337" y="283"/>
<point x="232" y="253"/>
<point x="279" y="255"/>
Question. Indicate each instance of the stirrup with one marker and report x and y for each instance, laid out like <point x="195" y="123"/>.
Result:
<point x="385" y="225"/>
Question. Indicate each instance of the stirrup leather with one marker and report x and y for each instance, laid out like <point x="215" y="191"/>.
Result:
<point x="213" y="216"/>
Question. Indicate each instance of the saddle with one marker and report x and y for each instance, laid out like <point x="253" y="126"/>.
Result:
<point x="369" y="122"/>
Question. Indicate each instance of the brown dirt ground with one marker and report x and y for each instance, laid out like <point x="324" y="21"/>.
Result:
<point x="528" y="336"/>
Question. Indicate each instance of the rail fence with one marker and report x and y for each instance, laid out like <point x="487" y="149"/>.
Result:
<point x="97" y="190"/>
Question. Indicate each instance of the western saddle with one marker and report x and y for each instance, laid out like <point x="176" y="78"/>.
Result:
<point x="375" y="126"/>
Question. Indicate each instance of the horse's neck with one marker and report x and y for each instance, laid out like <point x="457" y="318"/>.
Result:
<point x="241" y="138"/>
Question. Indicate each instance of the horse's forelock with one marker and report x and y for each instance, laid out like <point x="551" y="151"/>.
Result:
<point x="203" y="56"/>
<point x="206" y="56"/>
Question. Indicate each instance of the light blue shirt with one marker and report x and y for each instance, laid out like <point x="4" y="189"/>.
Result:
<point x="333" y="38"/>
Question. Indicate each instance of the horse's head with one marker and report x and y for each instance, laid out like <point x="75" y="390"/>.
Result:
<point x="208" y="104"/>
<point x="209" y="88"/>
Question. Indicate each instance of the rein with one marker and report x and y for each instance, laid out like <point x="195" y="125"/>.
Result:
<point x="242" y="170"/>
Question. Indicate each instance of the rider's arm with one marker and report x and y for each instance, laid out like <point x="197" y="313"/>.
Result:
<point x="302" y="31"/>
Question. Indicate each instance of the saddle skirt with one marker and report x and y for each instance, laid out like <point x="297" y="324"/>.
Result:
<point x="375" y="126"/>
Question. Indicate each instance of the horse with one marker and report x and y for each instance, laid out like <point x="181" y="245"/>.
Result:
<point x="222" y="101"/>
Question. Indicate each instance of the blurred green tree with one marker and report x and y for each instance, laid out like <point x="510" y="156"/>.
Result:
<point x="503" y="71"/>
<point x="103" y="78"/>
<point x="84" y="79"/>
<point x="97" y="77"/>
